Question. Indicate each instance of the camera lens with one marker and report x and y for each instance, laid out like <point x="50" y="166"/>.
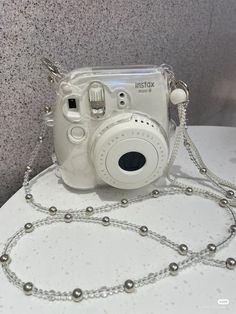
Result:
<point x="132" y="161"/>
<point x="127" y="152"/>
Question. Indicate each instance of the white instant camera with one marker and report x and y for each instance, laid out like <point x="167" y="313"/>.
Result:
<point x="112" y="126"/>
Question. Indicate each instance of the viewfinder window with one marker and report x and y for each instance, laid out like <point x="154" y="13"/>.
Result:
<point x="72" y="103"/>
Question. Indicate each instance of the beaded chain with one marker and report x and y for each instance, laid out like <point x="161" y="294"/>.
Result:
<point x="86" y="215"/>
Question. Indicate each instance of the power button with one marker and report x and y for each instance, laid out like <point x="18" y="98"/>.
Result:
<point x="76" y="134"/>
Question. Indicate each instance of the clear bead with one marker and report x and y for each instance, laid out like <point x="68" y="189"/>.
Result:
<point x="51" y="295"/>
<point x="91" y="294"/>
<point x="103" y="292"/>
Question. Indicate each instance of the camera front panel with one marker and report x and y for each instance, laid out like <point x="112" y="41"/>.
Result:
<point x="92" y="97"/>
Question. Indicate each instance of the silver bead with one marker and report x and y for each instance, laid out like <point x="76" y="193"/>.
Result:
<point x="189" y="190"/>
<point x="203" y="170"/>
<point x="143" y="230"/>
<point x="77" y="295"/>
<point x="233" y="228"/>
<point x="173" y="268"/>
<point x="89" y="210"/>
<point x="28" y="227"/>
<point x="230" y="263"/>
<point x="68" y="217"/>
<point x="124" y="202"/>
<point x="183" y="249"/>
<point x="40" y="139"/>
<point x="211" y="248"/>
<point x="28" y="168"/>
<point x="106" y="221"/>
<point x="155" y="193"/>
<point x="223" y="202"/>
<point x="5" y="259"/>
<point x="52" y="210"/>
<point x="129" y="286"/>
<point x="28" y="288"/>
<point x="229" y="194"/>
<point x="28" y="197"/>
<point x="47" y="109"/>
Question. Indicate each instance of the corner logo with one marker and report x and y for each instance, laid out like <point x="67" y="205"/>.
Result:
<point x="144" y="84"/>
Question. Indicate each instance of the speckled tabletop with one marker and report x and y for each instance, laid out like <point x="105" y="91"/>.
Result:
<point x="89" y="256"/>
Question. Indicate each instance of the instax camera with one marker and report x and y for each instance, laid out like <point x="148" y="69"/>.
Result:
<point x="112" y="126"/>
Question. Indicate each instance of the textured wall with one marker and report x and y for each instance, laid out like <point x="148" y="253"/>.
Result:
<point x="197" y="37"/>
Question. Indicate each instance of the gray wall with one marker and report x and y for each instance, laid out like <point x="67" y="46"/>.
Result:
<point x="198" y="38"/>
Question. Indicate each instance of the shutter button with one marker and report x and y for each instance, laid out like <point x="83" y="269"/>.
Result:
<point x="76" y="134"/>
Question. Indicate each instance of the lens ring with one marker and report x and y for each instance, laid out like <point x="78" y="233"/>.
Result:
<point x="122" y="134"/>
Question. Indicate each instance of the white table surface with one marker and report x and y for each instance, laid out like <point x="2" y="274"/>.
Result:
<point x="88" y="256"/>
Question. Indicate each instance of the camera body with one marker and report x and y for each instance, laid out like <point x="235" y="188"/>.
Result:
<point x="112" y="126"/>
